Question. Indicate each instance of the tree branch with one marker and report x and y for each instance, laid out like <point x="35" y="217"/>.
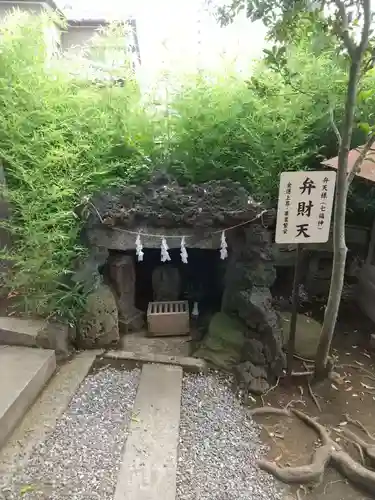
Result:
<point x="349" y="44"/>
<point x="334" y="126"/>
<point x="362" y="156"/>
<point x="366" y="27"/>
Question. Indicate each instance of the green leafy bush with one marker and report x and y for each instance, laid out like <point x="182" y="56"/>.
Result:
<point x="62" y="138"/>
<point x="222" y="128"/>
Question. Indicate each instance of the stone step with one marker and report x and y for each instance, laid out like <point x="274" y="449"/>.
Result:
<point x="188" y="363"/>
<point x="20" y="331"/>
<point x="148" y="470"/>
<point x="40" y="420"/>
<point x="29" y="332"/>
<point x="23" y="373"/>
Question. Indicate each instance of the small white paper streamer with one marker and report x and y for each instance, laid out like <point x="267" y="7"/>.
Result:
<point x="183" y="252"/>
<point x="139" y="248"/>
<point x="195" y="312"/>
<point x="164" y="255"/>
<point x="223" y="247"/>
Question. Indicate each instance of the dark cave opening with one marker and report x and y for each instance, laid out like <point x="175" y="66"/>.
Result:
<point x="201" y="280"/>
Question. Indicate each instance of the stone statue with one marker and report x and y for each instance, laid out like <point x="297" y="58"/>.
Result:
<point x="122" y="274"/>
<point x="166" y="283"/>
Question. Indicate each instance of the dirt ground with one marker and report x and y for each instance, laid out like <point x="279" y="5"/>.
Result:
<point x="353" y="394"/>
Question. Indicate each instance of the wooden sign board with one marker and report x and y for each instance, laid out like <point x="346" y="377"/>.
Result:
<point x="305" y="207"/>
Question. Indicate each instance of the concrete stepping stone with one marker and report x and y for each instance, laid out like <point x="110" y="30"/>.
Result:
<point x="23" y="374"/>
<point x="148" y="469"/>
<point x="20" y="331"/>
<point x="27" y="332"/>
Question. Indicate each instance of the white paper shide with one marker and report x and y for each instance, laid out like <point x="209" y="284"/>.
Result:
<point x="164" y="254"/>
<point x="139" y="248"/>
<point x="183" y="251"/>
<point x="223" y="246"/>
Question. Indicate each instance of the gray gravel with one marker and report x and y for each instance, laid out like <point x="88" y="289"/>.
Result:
<point x="219" y="445"/>
<point x="80" y="459"/>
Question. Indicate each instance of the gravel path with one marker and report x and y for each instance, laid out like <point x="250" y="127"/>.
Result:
<point x="80" y="459"/>
<point x="219" y="445"/>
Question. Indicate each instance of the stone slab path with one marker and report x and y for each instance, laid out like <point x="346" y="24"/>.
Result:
<point x="148" y="470"/>
<point x="116" y="439"/>
<point x="149" y="434"/>
<point x="141" y="343"/>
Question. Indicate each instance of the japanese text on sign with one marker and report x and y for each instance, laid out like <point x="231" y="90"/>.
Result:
<point x="305" y="206"/>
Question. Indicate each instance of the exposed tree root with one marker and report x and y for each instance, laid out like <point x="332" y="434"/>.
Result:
<point x="308" y="373"/>
<point x="367" y="373"/>
<point x="368" y="449"/>
<point x="305" y="474"/>
<point x="306" y="360"/>
<point x="269" y="410"/>
<point x="272" y="388"/>
<point x="331" y="375"/>
<point x="356" y="473"/>
<point x="293" y="402"/>
<point x="360" y="426"/>
<point x="347" y="437"/>
<point x="311" y="392"/>
<point x="313" y="396"/>
<point x="328" y="453"/>
<point x="318" y="428"/>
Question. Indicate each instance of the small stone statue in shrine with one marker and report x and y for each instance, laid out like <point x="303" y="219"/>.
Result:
<point x="166" y="283"/>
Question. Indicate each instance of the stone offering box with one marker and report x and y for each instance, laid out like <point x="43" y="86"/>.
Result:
<point x="168" y="318"/>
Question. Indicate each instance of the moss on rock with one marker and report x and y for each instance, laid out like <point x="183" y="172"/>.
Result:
<point x="222" y="346"/>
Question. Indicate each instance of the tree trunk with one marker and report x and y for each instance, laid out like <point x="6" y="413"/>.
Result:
<point x="339" y="244"/>
<point x="356" y="53"/>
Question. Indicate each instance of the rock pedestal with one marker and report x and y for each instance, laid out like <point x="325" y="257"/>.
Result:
<point x="223" y="344"/>
<point x="250" y="273"/>
<point x="98" y="326"/>
<point x="253" y="378"/>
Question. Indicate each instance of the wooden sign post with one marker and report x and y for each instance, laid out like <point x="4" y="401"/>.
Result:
<point x="303" y="216"/>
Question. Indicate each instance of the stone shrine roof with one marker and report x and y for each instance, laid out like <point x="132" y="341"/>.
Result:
<point x="164" y="203"/>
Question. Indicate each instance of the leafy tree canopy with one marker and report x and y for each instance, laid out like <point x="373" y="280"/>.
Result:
<point x="332" y="22"/>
